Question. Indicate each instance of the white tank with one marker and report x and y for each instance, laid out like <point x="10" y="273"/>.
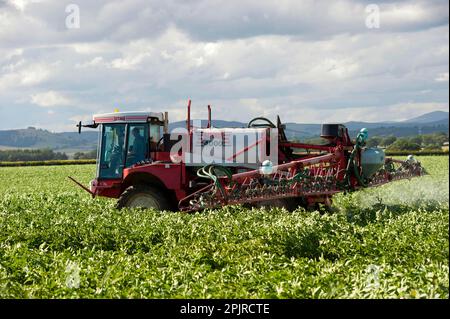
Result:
<point x="233" y="147"/>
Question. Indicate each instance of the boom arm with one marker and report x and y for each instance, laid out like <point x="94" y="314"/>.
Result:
<point x="320" y="176"/>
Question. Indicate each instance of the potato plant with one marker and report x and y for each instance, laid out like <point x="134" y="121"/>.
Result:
<point x="386" y="242"/>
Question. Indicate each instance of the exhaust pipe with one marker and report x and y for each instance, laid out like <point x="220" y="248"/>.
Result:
<point x="209" y="116"/>
<point x="166" y="123"/>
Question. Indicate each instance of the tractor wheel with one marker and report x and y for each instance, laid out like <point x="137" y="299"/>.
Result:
<point x="144" y="197"/>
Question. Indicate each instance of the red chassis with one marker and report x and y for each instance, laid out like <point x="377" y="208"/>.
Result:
<point x="312" y="177"/>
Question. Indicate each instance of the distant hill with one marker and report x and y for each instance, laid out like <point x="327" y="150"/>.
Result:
<point x="71" y="141"/>
<point x="428" y="123"/>
<point x="436" y="116"/>
<point x="38" y="138"/>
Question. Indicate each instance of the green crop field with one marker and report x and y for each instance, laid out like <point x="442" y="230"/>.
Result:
<point x="386" y="242"/>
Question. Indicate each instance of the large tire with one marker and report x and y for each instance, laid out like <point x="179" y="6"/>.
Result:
<point x="144" y="197"/>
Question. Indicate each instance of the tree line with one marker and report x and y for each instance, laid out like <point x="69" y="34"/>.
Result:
<point x="31" y="155"/>
<point x="85" y="155"/>
<point x="27" y="155"/>
<point x="427" y="142"/>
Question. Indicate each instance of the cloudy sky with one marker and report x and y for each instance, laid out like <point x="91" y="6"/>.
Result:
<point x="309" y="61"/>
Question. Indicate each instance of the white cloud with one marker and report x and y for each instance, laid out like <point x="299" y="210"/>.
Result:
<point x="19" y="4"/>
<point x="442" y="77"/>
<point x="129" y="62"/>
<point x="49" y="99"/>
<point x="34" y="75"/>
<point x="95" y="62"/>
<point x="308" y="61"/>
<point x="396" y="112"/>
<point x="20" y="74"/>
<point x="89" y="48"/>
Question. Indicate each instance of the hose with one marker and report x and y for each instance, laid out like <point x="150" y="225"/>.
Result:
<point x="210" y="172"/>
<point x="360" y="142"/>
<point x="269" y="122"/>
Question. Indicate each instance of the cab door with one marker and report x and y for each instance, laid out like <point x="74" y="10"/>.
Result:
<point x="111" y="156"/>
<point x="137" y="143"/>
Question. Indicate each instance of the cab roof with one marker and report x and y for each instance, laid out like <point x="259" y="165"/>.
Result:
<point x="127" y="117"/>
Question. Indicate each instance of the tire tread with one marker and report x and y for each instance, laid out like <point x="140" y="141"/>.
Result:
<point x="134" y="189"/>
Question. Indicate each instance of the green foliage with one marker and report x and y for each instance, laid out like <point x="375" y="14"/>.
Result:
<point x="387" y="141"/>
<point x="31" y="155"/>
<point x="404" y="144"/>
<point x="39" y="138"/>
<point x="47" y="163"/>
<point x="87" y="155"/>
<point x="424" y="152"/>
<point x="417" y="142"/>
<point x="374" y="141"/>
<point x="386" y="242"/>
<point x="434" y="141"/>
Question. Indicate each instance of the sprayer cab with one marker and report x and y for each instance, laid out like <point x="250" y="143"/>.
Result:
<point x="126" y="138"/>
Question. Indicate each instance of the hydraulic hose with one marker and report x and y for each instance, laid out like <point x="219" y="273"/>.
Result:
<point x="269" y="122"/>
<point x="210" y="172"/>
<point x="351" y="165"/>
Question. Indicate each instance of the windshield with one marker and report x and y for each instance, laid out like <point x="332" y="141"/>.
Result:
<point x="112" y="151"/>
<point x="135" y="141"/>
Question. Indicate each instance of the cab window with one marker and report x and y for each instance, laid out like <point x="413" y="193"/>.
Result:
<point x="155" y="136"/>
<point x="112" y="151"/>
<point x="137" y="144"/>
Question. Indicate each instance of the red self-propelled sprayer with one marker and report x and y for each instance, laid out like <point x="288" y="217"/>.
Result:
<point x="189" y="169"/>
